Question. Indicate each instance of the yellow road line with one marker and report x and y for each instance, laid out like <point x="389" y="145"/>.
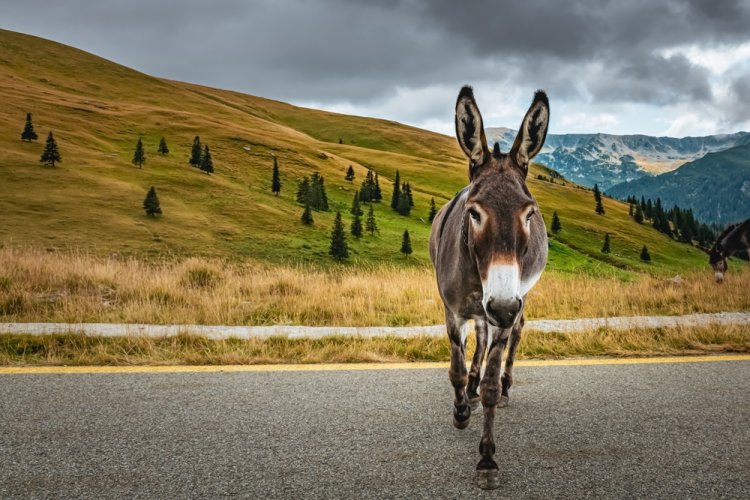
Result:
<point x="327" y="367"/>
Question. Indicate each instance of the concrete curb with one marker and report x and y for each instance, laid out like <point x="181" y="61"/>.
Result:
<point x="218" y="332"/>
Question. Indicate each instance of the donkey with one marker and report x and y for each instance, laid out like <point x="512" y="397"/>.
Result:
<point x="733" y="240"/>
<point x="489" y="247"/>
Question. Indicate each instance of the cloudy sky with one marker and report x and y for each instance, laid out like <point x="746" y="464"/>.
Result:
<point x="637" y="66"/>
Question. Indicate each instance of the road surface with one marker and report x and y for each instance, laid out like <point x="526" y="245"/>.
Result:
<point x="609" y="430"/>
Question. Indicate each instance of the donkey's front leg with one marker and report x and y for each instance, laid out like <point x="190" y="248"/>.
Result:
<point x="457" y="372"/>
<point x="507" y="379"/>
<point x="487" y="470"/>
<point x="472" y="389"/>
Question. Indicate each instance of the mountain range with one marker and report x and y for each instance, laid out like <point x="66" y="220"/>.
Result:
<point x="608" y="160"/>
<point x="716" y="187"/>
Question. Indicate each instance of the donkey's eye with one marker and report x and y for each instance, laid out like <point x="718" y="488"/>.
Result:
<point x="529" y="215"/>
<point x="474" y="215"/>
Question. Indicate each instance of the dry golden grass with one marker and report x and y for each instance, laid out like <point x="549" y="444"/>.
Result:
<point x="74" y="349"/>
<point x="36" y="286"/>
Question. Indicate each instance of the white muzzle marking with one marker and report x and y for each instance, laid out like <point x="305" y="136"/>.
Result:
<point x="503" y="283"/>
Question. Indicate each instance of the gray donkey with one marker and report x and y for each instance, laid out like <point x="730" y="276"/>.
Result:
<point x="489" y="248"/>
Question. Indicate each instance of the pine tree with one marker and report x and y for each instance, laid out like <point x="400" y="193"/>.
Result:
<point x="163" y="148"/>
<point x="433" y="210"/>
<point x="403" y="207"/>
<point x="339" y="249"/>
<point x="630" y="209"/>
<point x="276" y="180"/>
<point x="645" y="255"/>
<point x="370" y="225"/>
<point x="307" y="217"/>
<point x="318" y="197"/>
<point x="350" y="174"/>
<point x="686" y="232"/>
<point x="406" y="243"/>
<point x="207" y="164"/>
<point x="151" y="203"/>
<point x="649" y="211"/>
<point x="195" y="152"/>
<point x="51" y="155"/>
<point x="407" y="190"/>
<point x="139" y="157"/>
<point x="597" y="193"/>
<point x="356" y="209"/>
<point x="556" y="226"/>
<point x="396" y="192"/>
<point x="638" y="216"/>
<point x="377" y="194"/>
<point x="356" y="228"/>
<point x="599" y="207"/>
<point x="28" y="133"/>
<point x="605" y="248"/>
<point x="303" y="191"/>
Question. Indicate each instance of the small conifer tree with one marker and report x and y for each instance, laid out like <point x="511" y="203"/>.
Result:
<point x="396" y="192"/>
<point x="139" y="157"/>
<point x="350" y="174"/>
<point x="51" y="154"/>
<point x="28" y="133"/>
<point x="163" y="148"/>
<point x="433" y="210"/>
<point x="406" y="243"/>
<point x="195" y="152"/>
<point x="403" y="207"/>
<point x="556" y="226"/>
<point x="356" y="228"/>
<point x="630" y="209"/>
<point x="638" y="215"/>
<point x="339" y="249"/>
<point x="307" y="217"/>
<point x="407" y="190"/>
<point x="370" y="225"/>
<point x="356" y="209"/>
<point x="377" y="194"/>
<point x="276" y="180"/>
<point x="605" y="247"/>
<point x="151" y="203"/>
<point x="207" y="164"/>
<point x="645" y="256"/>
<point x="599" y="207"/>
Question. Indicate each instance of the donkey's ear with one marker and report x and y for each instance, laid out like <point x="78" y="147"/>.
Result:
<point x="470" y="129"/>
<point x="533" y="131"/>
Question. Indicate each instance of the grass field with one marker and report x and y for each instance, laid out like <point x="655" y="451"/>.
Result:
<point x="50" y="286"/>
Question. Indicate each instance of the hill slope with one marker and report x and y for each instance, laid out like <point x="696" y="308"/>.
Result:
<point x="607" y="159"/>
<point x="98" y="110"/>
<point x="716" y="187"/>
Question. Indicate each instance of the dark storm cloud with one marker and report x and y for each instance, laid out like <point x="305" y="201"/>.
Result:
<point x="361" y="52"/>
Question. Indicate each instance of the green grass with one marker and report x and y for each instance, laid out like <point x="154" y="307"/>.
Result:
<point x="98" y="110"/>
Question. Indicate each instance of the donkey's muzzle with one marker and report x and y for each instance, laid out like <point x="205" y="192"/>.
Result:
<point x="503" y="312"/>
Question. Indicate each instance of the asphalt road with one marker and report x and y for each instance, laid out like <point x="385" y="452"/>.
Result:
<point x="629" y="431"/>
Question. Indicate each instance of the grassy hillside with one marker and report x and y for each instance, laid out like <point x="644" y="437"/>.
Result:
<point x="98" y="110"/>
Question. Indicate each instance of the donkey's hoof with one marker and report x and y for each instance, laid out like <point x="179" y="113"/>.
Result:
<point x="460" y="424"/>
<point x="503" y="402"/>
<point x="488" y="479"/>
<point x="474" y="403"/>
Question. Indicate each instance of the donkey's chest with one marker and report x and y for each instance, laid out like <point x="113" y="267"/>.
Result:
<point x="471" y="306"/>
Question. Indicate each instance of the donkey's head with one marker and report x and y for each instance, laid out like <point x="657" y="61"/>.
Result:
<point x="718" y="261"/>
<point x="502" y="223"/>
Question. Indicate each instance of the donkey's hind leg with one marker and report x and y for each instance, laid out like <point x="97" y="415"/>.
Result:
<point x="457" y="372"/>
<point x="507" y="379"/>
<point x="472" y="388"/>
